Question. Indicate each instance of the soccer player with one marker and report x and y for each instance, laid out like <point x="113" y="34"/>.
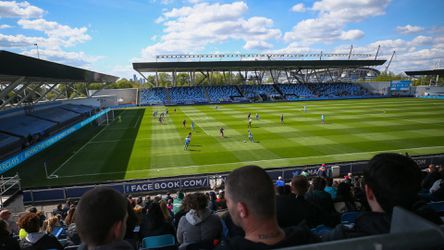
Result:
<point x="192" y="125"/>
<point x="249" y="123"/>
<point x="221" y="130"/>
<point x="250" y="136"/>
<point x="257" y="116"/>
<point x="187" y="141"/>
<point x="249" y="116"/>
<point x="184" y="123"/>
<point x="305" y="109"/>
<point x="282" y="118"/>
<point x="323" y="119"/>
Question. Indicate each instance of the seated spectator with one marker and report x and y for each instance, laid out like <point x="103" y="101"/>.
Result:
<point x="182" y="211"/>
<point x="101" y="219"/>
<point x="390" y="180"/>
<point x="199" y="224"/>
<point x="212" y="201"/>
<point x="293" y="209"/>
<point x="432" y="176"/>
<point x="168" y="216"/>
<point x="178" y="202"/>
<point x="35" y="239"/>
<point x="5" y="215"/>
<point x="323" y="202"/>
<point x="58" y="210"/>
<point x="329" y="188"/>
<point x="131" y="223"/>
<point x="154" y="223"/>
<point x="251" y="203"/>
<point x="280" y="182"/>
<point x="220" y="201"/>
<point x="7" y="242"/>
<point x="71" y="231"/>
<point x="345" y="198"/>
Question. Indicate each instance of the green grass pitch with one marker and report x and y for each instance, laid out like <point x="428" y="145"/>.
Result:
<point x="139" y="147"/>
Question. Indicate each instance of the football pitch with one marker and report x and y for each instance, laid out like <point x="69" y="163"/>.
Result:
<point x="137" y="146"/>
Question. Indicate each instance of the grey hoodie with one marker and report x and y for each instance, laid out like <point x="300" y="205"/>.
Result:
<point x="198" y="226"/>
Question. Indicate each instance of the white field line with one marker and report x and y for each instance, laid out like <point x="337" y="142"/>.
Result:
<point x="137" y="121"/>
<point x="80" y="149"/>
<point x="249" y="162"/>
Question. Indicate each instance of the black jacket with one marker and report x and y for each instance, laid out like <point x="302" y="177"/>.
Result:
<point x="293" y="236"/>
<point x="292" y="210"/>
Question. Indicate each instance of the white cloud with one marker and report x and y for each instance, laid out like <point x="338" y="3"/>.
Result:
<point x="259" y="45"/>
<point x="192" y="28"/>
<point x="298" y="7"/>
<point x="78" y="59"/>
<point x="407" y="29"/>
<point x="5" y="26"/>
<point x="58" y="35"/>
<point x="333" y="16"/>
<point x="13" y="9"/>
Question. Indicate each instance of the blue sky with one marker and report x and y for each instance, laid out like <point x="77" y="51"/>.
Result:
<point x="107" y="35"/>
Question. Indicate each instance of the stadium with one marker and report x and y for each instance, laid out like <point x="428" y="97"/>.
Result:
<point x="312" y="145"/>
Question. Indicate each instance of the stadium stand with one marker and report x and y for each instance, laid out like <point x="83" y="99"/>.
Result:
<point x="251" y="91"/>
<point x="9" y="145"/>
<point x="222" y="93"/>
<point x="152" y="96"/>
<point x="24" y="125"/>
<point x="187" y="95"/>
<point x="337" y="89"/>
<point x="244" y="93"/>
<point x="20" y="130"/>
<point x="295" y="91"/>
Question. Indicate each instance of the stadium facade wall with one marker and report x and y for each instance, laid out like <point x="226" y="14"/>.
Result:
<point x="95" y="102"/>
<point x="124" y="96"/>
<point x="429" y="91"/>
<point x="37" y="148"/>
<point x="381" y="88"/>
<point x="199" y="182"/>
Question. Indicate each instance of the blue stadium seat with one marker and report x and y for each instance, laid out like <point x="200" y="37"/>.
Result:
<point x="160" y="241"/>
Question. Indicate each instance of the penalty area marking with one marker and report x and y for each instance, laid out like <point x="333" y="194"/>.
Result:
<point x="245" y="162"/>
<point x="76" y="152"/>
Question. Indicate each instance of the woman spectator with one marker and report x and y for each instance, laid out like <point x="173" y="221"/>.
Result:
<point x="199" y="224"/>
<point x="35" y="239"/>
<point x="71" y="231"/>
<point x="154" y="223"/>
<point x="7" y="242"/>
<point x="167" y="215"/>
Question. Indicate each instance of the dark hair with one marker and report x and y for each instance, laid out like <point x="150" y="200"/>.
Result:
<point x="98" y="210"/>
<point x="197" y="201"/>
<point x="344" y="192"/>
<point x="252" y="186"/>
<point x="300" y="184"/>
<point x="395" y="180"/>
<point x="30" y="222"/>
<point x="154" y="216"/>
<point x="318" y="183"/>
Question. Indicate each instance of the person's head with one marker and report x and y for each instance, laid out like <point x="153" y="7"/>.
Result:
<point x="329" y="182"/>
<point x="180" y="195"/>
<point x="391" y="180"/>
<point x="249" y="193"/>
<point x="299" y="185"/>
<point x="164" y="208"/>
<point x="197" y="201"/>
<point x="33" y="210"/>
<point x="318" y="184"/>
<point x="30" y="222"/>
<point x="5" y="214"/>
<point x="52" y="223"/>
<point x="101" y="216"/>
<point x="344" y="191"/>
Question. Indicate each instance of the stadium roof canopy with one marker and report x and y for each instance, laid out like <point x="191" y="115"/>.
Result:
<point x="433" y="72"/>
<point x="15" y="65"/>
<point x="251" y="65"/>
<point x="28" y="80"/>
